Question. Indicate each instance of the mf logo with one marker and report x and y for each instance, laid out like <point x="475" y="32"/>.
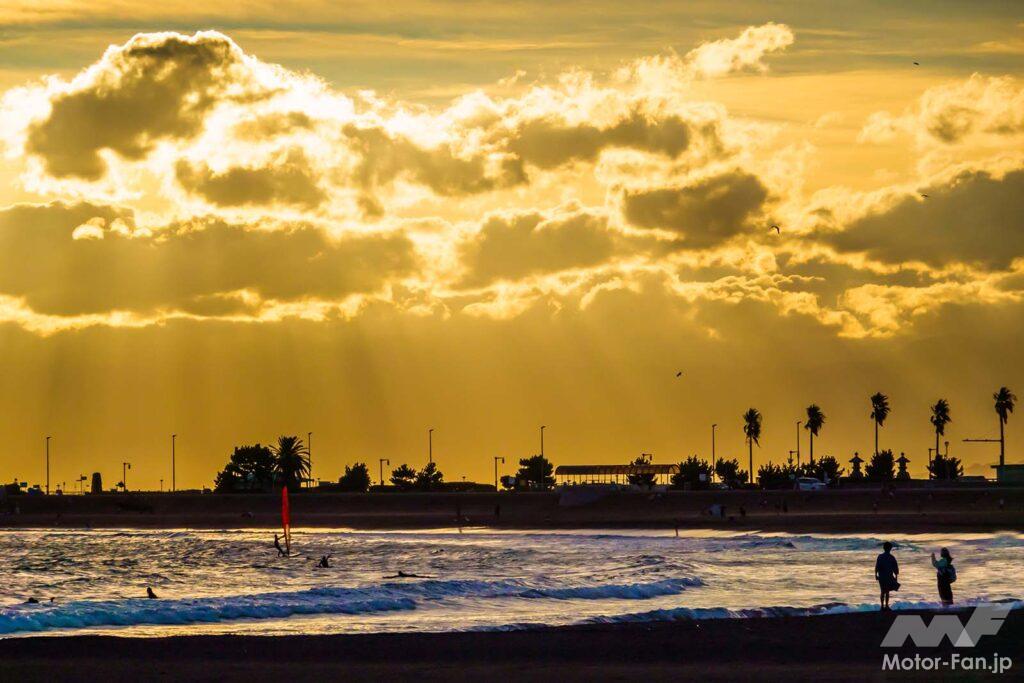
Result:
<point x="985" y="621"/>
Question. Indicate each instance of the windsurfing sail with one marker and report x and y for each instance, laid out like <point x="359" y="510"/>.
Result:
<point x="286" y="520"/>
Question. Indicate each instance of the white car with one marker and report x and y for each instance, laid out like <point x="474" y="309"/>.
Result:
<point x="810" y="484"/>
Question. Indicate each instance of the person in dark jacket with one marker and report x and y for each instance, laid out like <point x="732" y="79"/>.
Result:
<point x="945" y="575"/>
<point x="887" y="569"/>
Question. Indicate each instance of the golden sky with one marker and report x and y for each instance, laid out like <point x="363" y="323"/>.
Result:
<point x="248" y="219"/>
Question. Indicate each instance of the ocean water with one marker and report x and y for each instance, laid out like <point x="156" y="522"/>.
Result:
<point x="233" y="581"/>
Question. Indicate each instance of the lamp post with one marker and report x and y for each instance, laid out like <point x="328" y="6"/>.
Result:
<point x="48" y="465"/>
<point x="383" y="461"/>
<point x="309" y="455"/>
<point x="430" y="445"/>
<point x="125" y="466"/>
<point x="542" y="428"/>
<point x="81" y="484"/>
<point x="174" y="484"/>
<point x="496" y="459"/>
<point x="714" y="462"/>
<point x="798" y="423"/>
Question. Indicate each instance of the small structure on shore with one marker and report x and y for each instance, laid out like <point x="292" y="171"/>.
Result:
<point x="856" y="461"/>
<point x="567" y="475"/>
<point x="903" y="461"/>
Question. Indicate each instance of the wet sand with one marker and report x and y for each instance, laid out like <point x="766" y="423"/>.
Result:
<point x="919" y="510"/>
<point x="838" y="648"/>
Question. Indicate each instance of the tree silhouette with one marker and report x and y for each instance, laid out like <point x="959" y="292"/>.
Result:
<point x="729" y="471"/>
<point x="251" y="468"/>
<point x="881" y="467"/>
<point x="429" y="478"/>
<point x="815" y="421"/>
<point x="879" y="411"/>
<point x="945" y="468"/>
<point x="356" y="478"/>
<point x="939" y="419"/>
<point x="537" y="472"/>
<point x="642" y="479"/>
<point x="292" y="464"/>
<point x="403" y="477"/>
<point x="690" y="471"/>
<point x="1004" y="402"/>
<point x="752" y="430"/>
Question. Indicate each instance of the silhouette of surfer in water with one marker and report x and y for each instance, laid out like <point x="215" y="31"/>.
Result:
<point x="325" y="562"/>
<point x="403" y="575"/>
<point x="277" y="544"/>
<point x="150" y="594"/>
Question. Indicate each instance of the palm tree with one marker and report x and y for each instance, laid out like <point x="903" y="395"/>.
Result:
<point x="292" y="464"/>
<point x="940" y="418"/>
<point x="752" y="430"/>
<point x="815" y="421"/>
<point x="1005" y="400"/>
<point x="879" y="411"/>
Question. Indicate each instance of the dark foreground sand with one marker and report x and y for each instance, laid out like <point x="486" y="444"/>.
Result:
<point x="903" y="510"/>
<point x="823" y="648"/>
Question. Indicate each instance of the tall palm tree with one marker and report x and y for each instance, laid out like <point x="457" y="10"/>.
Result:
<point x="1005" y="401"/>
<point x="939" y="419"/>
<point x="815" y="421"/>
<point x="879" y="411"/>
<point x="752" y="430"/>
<point x="292" y="461"/>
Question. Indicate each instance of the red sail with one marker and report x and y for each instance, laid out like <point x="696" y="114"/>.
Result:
<point x="286" y="519"/>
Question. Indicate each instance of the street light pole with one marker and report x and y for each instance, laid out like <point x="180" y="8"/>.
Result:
<point x="174" y="483"/>
<point x="496" y="459"/>
<point x="430" y="445"/>
<point x="47" y="465"/>
<point x="542" y="427"/>
<point x="309" y="455"/>
<point x="714" y="461"/>
<point x="125" y="466"/>
<point x="382" y="462"/>
<point x="798" y="423"/>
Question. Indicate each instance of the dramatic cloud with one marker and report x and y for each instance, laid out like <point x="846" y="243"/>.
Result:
<point x="289" y="180"/>
<point x="949" y="114"/>
<point x="157" y="86"/>
<point x="97" y="263"/>
<point x="705" y="213"/>
<point x="974" y="218"/>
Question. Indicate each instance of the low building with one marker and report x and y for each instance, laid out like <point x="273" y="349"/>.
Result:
<point x="1009" y="474"/>
<point x="568" y="475"/>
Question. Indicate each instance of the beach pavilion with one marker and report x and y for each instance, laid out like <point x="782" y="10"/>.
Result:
<point x="612" y="474"/>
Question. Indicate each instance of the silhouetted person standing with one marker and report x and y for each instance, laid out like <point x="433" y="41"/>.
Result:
<point x="150" y="594"/>
<point x="277" y="544"/>
<point x="945" y="574"/>
<point x="886" y="571"/>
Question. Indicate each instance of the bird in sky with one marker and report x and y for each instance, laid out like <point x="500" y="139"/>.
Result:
<point x="679" y="374"/>
<point x="924" y="195"/>
<point x="916" y="64"/>
<point x="776" y="229"/>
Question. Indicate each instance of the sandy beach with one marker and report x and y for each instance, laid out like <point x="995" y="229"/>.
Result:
<point x="839" y="647"/>
<point x="918" y="510"/>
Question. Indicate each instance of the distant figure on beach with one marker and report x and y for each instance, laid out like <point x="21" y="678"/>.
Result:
<point x="150" y="594"/>
<point x="945" y="574"/>
<point x="325" y="562"/>
<point x="277" y="544"/>
<point x="886" y="571"/>
<point x="403" y="575"/>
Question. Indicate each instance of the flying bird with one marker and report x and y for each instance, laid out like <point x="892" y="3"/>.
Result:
<point x="679" y="374"/>
<point x="776" y="229"/>
<point x="924" y="195"/>
<point x="916" y="64"/>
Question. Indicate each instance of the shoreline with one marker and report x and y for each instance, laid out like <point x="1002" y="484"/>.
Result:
<point x="824" y="647"/>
